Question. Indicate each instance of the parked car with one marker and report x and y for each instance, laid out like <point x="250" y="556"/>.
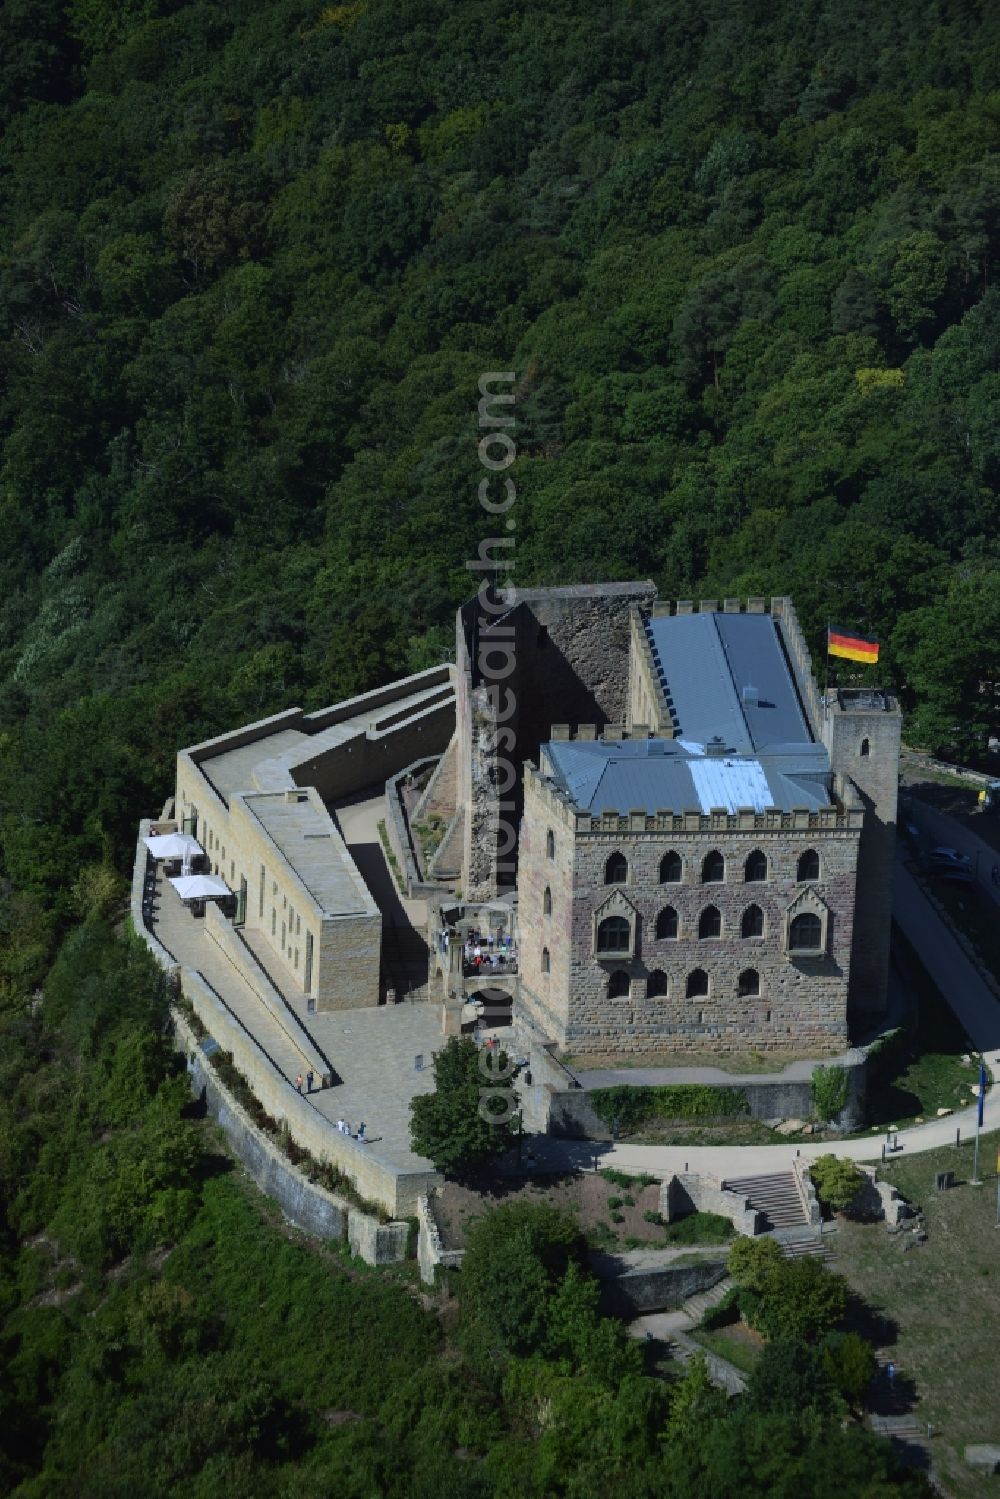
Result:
<point x="949" y="864"/>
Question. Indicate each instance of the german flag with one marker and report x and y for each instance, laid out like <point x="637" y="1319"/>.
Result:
<point x="853" y="647"/>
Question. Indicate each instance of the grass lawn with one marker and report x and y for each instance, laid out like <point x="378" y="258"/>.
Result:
<point x="941" y="1301"/>
<point x="737" y="1343"/>
<point x="749" y="1062"/>
<point x="699" y="1228"/>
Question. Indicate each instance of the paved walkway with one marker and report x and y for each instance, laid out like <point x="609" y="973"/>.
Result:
<point x="185" y="938"/>
<point x="372" y="1050"/>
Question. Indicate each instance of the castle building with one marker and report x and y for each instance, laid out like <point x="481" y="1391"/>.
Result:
<point x="706" y="861"/>
<point x="700" y="844"/>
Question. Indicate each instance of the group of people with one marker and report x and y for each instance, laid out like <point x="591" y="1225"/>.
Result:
<point x="309" y="1080"/>
<point x="345" y="1129"/>
<point x="484" y="950"/>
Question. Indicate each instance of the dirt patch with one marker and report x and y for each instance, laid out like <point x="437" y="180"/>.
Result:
<point x="588" y="1196"/>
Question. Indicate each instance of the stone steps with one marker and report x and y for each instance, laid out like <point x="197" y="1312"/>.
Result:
<point x="775" y="1195"/>
<point x="698" y="1305"/>
<point x="796" y="1244"/>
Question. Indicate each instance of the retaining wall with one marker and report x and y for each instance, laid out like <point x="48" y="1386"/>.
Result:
<point x="630" y="1290"/>
<point x="392" y="1190"/>
<point x="689" y="1192"/>
<point x="253" y="976"/>
<point x="430" y="1250"/>
<point x="571" y="1114"/>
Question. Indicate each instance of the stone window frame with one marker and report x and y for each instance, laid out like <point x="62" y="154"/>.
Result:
<point x="699" y="993"/>
<point x="616" y="904"/>
<point x="807" y="853"/>
<point x="550" y="844"/>
<point x="667" y="936"/>
<point x="744" y="993"/>
<point x="613" y="952"/>
<point x="706" y="911"/>
<point x="547" y="901"/>
<point x="613" y="858"/>
<point x="807" y="903"/>
<point x="865" y="748"/>
<point x="619" y="985"/>
<point x="658" y="978"/>
<point x="752" y="936"/>
<point x="680" y="866"/>
<point x="756" y="879"/>
<point x="713" y="853"/>
<point x="546" y="961"/>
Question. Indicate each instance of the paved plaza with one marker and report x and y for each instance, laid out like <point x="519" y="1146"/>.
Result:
<point x="373" y="1051"/>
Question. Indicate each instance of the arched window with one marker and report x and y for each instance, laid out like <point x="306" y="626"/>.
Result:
<point x="755" y="868"/>
<point x="710" y="922"/>
<point x="713" y="868"/>
<point x="866" y="748"/>
<point x="619" y="985"/>
<point x="671" y="868"/>
<point x="808" y="867"/>
<point x="656" y="984"/>
<point x="546" y="963"/>
<point x="748" y="983"/>
<point x="805" y="933"/>
<point x="666" y="923"/>
<point x="752" y="924"/>
<point x="616" y="869"/>
<point x="550" y="844"/>
<point x="547" y="902"/>
<point x="697" y="983"/>
<point x="613" y="934"/>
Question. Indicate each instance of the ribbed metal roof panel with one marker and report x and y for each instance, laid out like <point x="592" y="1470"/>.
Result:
<point x="756" y="659"/>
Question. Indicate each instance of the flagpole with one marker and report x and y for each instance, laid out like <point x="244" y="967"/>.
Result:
<point x="826" y="672"/>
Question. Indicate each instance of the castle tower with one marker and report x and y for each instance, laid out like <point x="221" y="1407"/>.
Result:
<point x="861" y="728"/>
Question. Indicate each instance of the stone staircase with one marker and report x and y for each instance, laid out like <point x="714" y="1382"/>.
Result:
<point x="698" y="1305"/>
<point x="776" y="1196"/>
<point x="799" y="1243"/>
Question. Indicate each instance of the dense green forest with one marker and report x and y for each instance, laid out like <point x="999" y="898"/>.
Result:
<point x="254" y="259"/>
<point x="163" y="1334"/>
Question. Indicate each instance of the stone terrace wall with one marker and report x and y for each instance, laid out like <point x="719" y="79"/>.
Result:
<point x="688" y="1192"/>
<point x="393" y="1190"/>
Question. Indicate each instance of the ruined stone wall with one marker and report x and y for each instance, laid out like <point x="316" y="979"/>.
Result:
<point x="557" y="655"/>
<point x="802" y="1005"/>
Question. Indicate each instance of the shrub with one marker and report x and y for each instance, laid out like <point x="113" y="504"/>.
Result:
<point x="725" y="1312"/>
<point x="836" y="1181"/>
<point x="830" y="1090"/>
<point x="785" y="1298"/>
<point x="632" y="1106"/>
<point x="622" y="1179"/>
<point x="850" y="1362"/>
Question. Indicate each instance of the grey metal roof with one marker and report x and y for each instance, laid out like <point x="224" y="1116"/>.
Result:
<point x="727" y="676"/>
<point x="660" y="774"/>
<point x="306" y="835"/>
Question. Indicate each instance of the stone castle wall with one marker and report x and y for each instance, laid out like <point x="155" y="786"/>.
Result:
<point x="802" y="1005"/>
<point x="557" y="655"/>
